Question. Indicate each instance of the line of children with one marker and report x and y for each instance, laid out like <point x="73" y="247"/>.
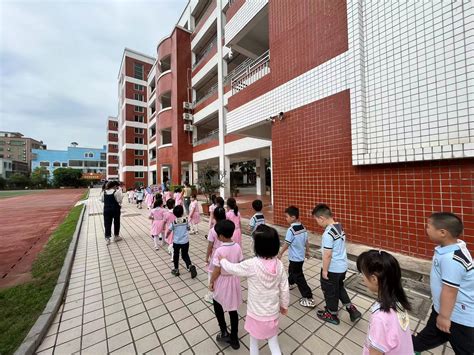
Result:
<point x="227" y="293"/>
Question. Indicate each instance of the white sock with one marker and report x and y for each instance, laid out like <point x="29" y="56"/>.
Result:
<point x="155" y="240"/>
<point x="253" y="346"/>
<point x="274" y="346"/>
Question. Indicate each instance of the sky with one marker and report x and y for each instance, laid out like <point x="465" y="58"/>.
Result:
<point x="59" y="62"/>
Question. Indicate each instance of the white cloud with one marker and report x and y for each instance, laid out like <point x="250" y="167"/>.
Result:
<point x="59" y="62"/>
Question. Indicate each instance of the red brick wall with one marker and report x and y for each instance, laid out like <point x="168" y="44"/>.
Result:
<point x="129" y="179"/>
<point x="129" y="67"/>
<point x="206" y="102"/>
<point x="164" y="48"/>
<point x="382" y="205"/>
<point x="111" y="125"/>
<point x="204" y="60"/>
<point x="215" y="142"/>
<point x="206" y="15"/>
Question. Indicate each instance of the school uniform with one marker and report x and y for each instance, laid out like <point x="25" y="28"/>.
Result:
<point x="296" y="238"/>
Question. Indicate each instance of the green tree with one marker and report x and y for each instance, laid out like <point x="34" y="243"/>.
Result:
<point x="18" y="181"/>
<point x="67" y="177"/>
<point x="210" y="180"/>
<point x="3" y="183"/>
<point x="39" y="177"/>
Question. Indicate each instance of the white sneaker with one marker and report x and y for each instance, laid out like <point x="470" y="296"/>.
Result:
<point x="117" y="238"/>
<point x="292" y="287"/>
<point x="107" y="241"/>
<point x="208" y="298"/>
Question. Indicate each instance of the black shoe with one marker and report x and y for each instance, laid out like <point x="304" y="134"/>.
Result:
<point x="175" y="272"/>
<point x="223" y="337"/>
<point x="326" y="316"/>
<point x="234" y="343"/>
<point x="354" y="313"/>
<point x="193" y="271"/>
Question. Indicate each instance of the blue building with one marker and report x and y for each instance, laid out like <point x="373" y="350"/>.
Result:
<point x="91" y="161"/>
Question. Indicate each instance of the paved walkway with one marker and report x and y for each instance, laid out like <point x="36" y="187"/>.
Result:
<point x="123" y="299"/>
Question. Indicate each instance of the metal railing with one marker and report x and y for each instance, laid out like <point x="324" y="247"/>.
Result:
<point x="254" y="71"/>
<point x="211" y="91"/>
<point x="237" y="70"/>
<point x="209" y="137"/>
<point x="202" y="54"/>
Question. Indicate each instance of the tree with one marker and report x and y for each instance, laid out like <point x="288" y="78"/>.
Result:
<point x="68" y="177"/>
<point x="210" y="180"/>
<point x="18" y="181"/>
<point x="39" y="177"/>
<point x="3" y="183"/>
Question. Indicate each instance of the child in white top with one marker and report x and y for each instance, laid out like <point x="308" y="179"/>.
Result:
<point x="389" y="326"/>
<point x="268" y="293"/>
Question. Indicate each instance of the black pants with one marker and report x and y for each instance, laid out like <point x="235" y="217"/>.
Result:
<point x="187" y="203"/>
<point x="109" y="216"/>
<point x="461" y="337"/>
<point x="334" y="290"/>
<point x="234" y="320"/>
<point x="296" y="276"/>
<point x="184" y="254"/>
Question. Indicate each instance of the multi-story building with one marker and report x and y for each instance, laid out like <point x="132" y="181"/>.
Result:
<point x="133" y="118"/>
<point x="18" y="148"/>
<point x="112" y="148"/>
<point x="91" y="161"/>
<point x="6" y="168"/>
<point x="368" y="107"/>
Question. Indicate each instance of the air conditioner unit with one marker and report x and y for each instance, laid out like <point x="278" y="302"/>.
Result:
<point x="187" y="116"/>
<point x="188" y="105"/>
<point x="188" y="127"/>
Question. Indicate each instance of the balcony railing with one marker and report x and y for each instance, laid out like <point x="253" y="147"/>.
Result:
<point x="254" y="71"/>
<point x="202" y="54"/>
<point x="211" y="91"/>
<point x="209" y="137"/>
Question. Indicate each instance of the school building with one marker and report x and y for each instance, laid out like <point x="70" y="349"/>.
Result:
<point x="91" y="161"/>
<point x="366" y="106"/>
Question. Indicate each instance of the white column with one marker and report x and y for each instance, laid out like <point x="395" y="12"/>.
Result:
<point x="225" y="191"/>
<point x="195" y="174"/>
<point x="191" y="172"/>
<point x="260" y="170"/>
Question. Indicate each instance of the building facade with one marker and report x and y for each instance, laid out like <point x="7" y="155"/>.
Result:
<point x="366" y="106"/>
<point x="91" y="161"/>
<point x="16" y="147"/>
<point x="6" y="168"/>
<point x="112" y="149"/>
<point x="133" y="118"/>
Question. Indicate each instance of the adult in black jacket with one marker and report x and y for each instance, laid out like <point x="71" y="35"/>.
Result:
<point x="112" y="199"/>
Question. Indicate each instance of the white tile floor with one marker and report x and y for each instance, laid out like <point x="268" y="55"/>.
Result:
<point x="122" y="299"/>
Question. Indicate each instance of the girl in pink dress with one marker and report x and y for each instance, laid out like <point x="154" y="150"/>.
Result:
<point x="166" y="195"/>
<point x="226" y="287"/>
<point x="268" y="292"/>
<point x="178" y="197"/>
<point x="150" y="198"/>
<point x="194" y="216"/>
<point x="169" y="218"/>
<point x="234" y="215"/>
<point x="216" y="202"/>
<point x="212" y="245"/>
<point x="157" y="215"/>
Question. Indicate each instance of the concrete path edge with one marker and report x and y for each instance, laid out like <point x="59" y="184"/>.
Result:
<point x="38" y="331"/>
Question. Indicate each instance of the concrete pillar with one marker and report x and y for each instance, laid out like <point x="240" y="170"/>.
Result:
<point x="195" y="169"/>
<point x="225" y="191"/>
<point x="260" y="170"/>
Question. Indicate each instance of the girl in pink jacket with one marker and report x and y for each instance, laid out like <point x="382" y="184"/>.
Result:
<point x="268" y="293"/>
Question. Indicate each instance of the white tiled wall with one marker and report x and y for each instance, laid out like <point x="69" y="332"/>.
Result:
<point x="246" y="13"/>
<point x="410" y="70"/>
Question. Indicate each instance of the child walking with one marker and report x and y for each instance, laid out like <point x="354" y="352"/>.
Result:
<point x="166" y="194"/>
<point x="258" y="218"/>
<point x="234" y="215"/>
<point x="194" y="216"/>
<point x="130" y="195"/>
<point x="389" y="325"/>
<point x="296" y="241"/>
<point x="452" y="288"/>
<point x="178" y="196"/>
<point x="139" y="197"/>
<point x="169" y="218"/>
<point x="212" y="245"/>
<point x="333" y="271"/>
<point x="179" y="227"/>
<point x="157" y="215"/>
<point x="226" y="287"/>
<point x="212" y="207"/>
<point x="268" y="293"/>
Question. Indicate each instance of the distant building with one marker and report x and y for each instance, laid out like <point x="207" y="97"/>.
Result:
<point x="6" y="168"/>
<point x="18" y="148"/>
<point x="112" y="148"/>
<point x="91" y="161"/>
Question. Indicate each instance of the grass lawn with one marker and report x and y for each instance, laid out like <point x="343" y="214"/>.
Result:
<point x="14" y="193"/>
<point x="21" y="305"/>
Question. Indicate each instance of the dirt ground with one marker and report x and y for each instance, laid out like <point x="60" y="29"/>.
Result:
<point x="26" y="222"/>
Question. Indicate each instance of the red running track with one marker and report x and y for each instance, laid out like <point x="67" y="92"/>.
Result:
<point x="26" y="222"/>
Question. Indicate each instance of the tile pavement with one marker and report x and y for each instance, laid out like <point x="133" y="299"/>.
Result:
<point x="122" y="299"/>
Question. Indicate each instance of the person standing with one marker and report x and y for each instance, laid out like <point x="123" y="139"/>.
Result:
<point x="187" y="192"/>
<point x="112" y="199"/>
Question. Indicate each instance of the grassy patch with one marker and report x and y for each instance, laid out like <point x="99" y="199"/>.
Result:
<point x="14" y="193"/>
<point x="21" y="305"/>
<point x="85" y="196"/>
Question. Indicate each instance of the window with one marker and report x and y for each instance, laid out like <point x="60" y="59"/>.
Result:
<point x="139" y="174"/>
<point x="103" y="156"/>
<point x="139" y="109"/>
<point x="91" y="164"/>
<point x="139" y="97"/>
<point x="166" y="136"/>
<point x="114" y="124"/>
<point x="139" y="119"/>
<point x="139" y="152"/>
<point x="138" y="87"/>
<point x="138" y="71"/>
<point x="56" y="163"/>
<point x="64" y="165"/>
<point x="44" y="163"/>
<point x="17" y="143"/>
<point x="89" y="155"/>
<point x="76" y="163"/>
<point x="138" y="130"/>
<point x="138" y="140"/>
<point x="138" y="161"/>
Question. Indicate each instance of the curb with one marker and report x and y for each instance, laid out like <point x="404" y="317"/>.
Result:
<point x="38" y="331"/>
